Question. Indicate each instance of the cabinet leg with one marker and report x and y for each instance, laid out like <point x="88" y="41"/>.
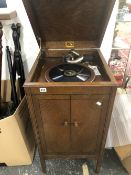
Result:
<point x="43" y="163"/>
<point x="98" y="165"/>
<point x="43" y="166"/>
<point x="99" y="161"/>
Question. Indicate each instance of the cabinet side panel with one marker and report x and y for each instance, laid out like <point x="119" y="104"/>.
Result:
<point x="106" y="127"/>
<point x="41" y="146"/>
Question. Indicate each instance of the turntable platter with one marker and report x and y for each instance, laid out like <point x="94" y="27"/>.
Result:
<point x="69" y="73"/>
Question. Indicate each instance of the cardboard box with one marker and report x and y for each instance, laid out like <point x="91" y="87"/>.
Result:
<point x="17" y="143"/>
<point x="124" y="154"/>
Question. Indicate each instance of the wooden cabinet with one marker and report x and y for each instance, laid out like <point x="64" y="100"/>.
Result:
<point x="70" y="119"/>
<point x="52" y="115"/>
<point x="71" y="124"/>
<point x="87" y="118"/>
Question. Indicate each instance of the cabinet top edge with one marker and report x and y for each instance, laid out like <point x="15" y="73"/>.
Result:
<point x="70" y="84"/>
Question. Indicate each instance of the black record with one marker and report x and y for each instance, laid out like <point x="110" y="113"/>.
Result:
<point x="70" y="73"/>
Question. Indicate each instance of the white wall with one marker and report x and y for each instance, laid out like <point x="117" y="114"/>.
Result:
<point x="108" y="38"/>
<point x="30" y="47"/>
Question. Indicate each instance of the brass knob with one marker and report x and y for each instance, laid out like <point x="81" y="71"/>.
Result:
<point x="76" y="124"/>
<point x="65" y="123"/>
<point x="98" y="103"/>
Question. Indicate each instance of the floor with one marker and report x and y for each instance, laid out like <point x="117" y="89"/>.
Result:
<point x="111" y="166"/>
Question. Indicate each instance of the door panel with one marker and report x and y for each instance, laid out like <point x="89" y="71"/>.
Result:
<point x="52" y="121"/>
<point x="87" y="120"/>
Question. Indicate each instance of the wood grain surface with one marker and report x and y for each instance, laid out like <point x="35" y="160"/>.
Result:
<point x="69" y="20"/>
<point x="70" y="120"/>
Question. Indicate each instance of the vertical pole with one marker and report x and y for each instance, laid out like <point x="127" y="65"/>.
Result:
<point x="1" y="34"/>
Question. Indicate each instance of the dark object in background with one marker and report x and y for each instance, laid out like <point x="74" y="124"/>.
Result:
<point x="89" y="58"/>
<point x="18" y="67"/>
<point x="3" y="4"/>
<point x="7" y="109"/>
<point x="16" y="35"/>
<point x="17" y="62"/>
<point x="1" y="33"/>
<point x="13" y="87"/>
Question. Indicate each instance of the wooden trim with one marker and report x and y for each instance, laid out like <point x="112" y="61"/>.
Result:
<point x="87" y="96"/>
<point x="71" y="90"/>
<point x="32" y="114"/>
<point x="6" y="14"/>
<point x="71" y="156"/>
<point x="53" y="97"/>
<point x="31" y="73"/>
<point x="69" y="84"/>
<point x="35" y="127"/>
<point x="77" y="44"/>
<point x="105" y="130"/>
<point x="107" y="68"/>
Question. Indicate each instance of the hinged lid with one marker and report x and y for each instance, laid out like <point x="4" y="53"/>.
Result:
<point x="58" y="22"/>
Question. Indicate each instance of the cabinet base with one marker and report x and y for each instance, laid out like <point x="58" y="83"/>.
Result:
<point x="96" y="169"/>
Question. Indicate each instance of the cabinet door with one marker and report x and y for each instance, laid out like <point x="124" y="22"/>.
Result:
<point x="87" y="118"/>
<point x="53" y="116"/>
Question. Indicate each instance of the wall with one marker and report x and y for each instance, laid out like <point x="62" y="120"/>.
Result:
<point x="108" y="38"/>
<point x="29" y="45"/>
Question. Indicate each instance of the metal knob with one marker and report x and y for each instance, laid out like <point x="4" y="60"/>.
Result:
<point x="65" y="123"/>
<point x="98" y="103"/>
<point x="76" y="124"/>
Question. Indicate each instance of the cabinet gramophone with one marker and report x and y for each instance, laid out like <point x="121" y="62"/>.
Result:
<point x="70" y="102"/>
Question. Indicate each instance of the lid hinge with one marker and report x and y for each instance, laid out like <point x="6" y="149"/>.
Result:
<point x="42" y="50"/>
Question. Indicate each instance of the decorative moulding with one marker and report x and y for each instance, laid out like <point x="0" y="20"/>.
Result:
<point x="6" y="14"/>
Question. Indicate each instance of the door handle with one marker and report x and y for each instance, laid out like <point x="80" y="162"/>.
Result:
<point x="66" y="123"/>
<point x="76" y="124"/>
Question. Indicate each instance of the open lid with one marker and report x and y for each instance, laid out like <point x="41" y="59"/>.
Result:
<point x="77" y="23"/>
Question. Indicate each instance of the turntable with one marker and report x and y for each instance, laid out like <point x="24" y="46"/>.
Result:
<point x="70" y="73"/>
<point x="70" y="93"/>
<point x="81" y="68"/>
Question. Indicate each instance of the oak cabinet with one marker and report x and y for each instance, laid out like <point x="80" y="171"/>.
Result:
<point x="70" y="119"/>
<point x="71" y="124"/>
<point x="87" y="116"/>
<point x="51" y="115"/>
